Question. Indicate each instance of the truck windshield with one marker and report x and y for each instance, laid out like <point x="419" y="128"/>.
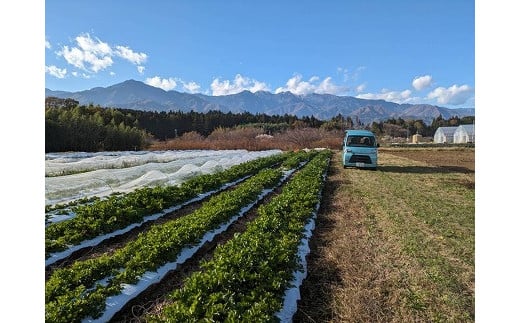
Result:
<point x="360" y="141"/>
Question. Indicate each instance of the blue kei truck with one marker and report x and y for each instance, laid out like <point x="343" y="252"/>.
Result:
<point x="360" y="149"/>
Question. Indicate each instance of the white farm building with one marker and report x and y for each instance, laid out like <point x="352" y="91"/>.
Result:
<point x="459" y="135"/>
<point x="444" y="135"/>
<point x="465" y="133"/>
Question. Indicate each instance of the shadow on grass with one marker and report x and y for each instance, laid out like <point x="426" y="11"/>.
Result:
<point x="425" y="169"/>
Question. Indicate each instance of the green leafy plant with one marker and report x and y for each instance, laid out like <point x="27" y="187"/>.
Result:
<point x="79" y="286"/>
<point x="247" y="277"/>
<point x="119" y="211"/>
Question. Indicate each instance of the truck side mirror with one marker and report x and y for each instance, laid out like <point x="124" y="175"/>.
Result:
<point x="377" y="144"/>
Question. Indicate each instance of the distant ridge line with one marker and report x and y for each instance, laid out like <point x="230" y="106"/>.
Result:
<point x="137" y="95"/>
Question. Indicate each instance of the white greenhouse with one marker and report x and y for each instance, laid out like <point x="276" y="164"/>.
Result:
<point x="444" y="135"/>
<point x="464" y="134"/>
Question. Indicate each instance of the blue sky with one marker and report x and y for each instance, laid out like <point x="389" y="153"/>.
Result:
<point x="388" y="43"/>
<point x="399" y="51"/>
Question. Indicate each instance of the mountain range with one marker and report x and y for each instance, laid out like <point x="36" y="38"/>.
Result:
<point x="137" y="95"/>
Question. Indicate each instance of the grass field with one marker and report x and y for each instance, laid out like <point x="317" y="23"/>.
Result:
<point x="397" y="244"/>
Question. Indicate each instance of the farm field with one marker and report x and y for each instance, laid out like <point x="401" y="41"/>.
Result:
<point x="456" y="159"/>
<point x="395" y="245"/>
<point x="264" y="260"/>
<point x="75" y="175"/>
<point x="392" y="245"/>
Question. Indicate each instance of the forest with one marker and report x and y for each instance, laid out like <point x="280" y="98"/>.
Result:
<point x="73" y="127"/>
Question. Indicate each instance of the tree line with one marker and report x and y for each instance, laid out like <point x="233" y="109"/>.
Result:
<point x="166" y="125"/>
<point x="73" y="127"/>
<point x="82" y="128"/>
<point x="405" y="128"/>
<point x="397" y="127"/>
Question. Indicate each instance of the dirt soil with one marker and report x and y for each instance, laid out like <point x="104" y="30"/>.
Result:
<point x="453" y="159"/>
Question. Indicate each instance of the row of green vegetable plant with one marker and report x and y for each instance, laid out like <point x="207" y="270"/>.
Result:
<point x="65" y="207"/>
<point x="117" y="212"/>
<point x="81" y="290"/>
<point x="247" y="277"/>
<point x="295" y="159"/>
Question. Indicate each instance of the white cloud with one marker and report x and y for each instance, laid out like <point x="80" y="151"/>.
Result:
<point x="99" y="64"/>
<point x="55" y="71"/>
<point x="239" y="84"/>
<point x="73" y="56"/>
<point x="165" y="84"/>
<point x="94" y="46"/>
<point x="191" y="87"/>
<point x="297" y="86"/>
<point x="453" y="95"/>
<point x="47" y="44"/>
<point x="130" y="55"/>
<point x="93" y="55"/>
<point x="422" y="82"/>
<point x="171" y="83"/>
<point x="327" y="87"/>
<point x="112" y="73"/>
<point x="387" y="95"/>
<point x="360" y="88"/>
<point x="405" y="94"/>
<point x="258" y="86"/>
<point x="83" y="75"/>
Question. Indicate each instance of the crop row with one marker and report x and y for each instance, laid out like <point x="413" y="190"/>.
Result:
<point x="117" y="212"/>
<point x="80" y="290"/>
<point x="247" y="277"/>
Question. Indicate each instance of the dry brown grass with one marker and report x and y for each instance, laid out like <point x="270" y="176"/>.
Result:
<point x="445" y="157"/>
<point x="395" y="245"/>
<point x="344" y="282"/>
<point x="252" y="139"/>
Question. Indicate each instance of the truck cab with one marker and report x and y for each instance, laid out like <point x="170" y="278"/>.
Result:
<point x="360" y="149"/>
